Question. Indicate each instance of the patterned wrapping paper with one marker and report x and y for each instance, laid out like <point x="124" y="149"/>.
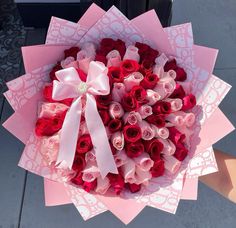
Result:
<point x="25" y="89"/>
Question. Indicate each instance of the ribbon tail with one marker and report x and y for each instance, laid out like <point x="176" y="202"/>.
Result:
<point x="104" y="156"/>
<point x="69" y="135"/>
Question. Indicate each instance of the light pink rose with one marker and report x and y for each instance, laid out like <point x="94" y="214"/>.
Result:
<point x="128" y="171"/>
<point x="84" y="58"/>
<point x="162" y="132"/>
<point x="152" y="96"/>
<point x="159" y="71"/>
<point x="189" y="119"/>
<point x="118" y="91"/>
<point x="147" y="131"/>
<point x="132" y="80"/>
<point x="91" y="172"/>
<point x="144" y="162"/>
<point x="169" y="147"/>
<point x="103" y="185"/>
<point x="120" y="158"/>
<point x="89" y="48"/>
<point x="176" y="104"/>
<point x="132" y="117"/>
<point x="51" y="109"/>
<point x="117" y="140"/>
<point x="90" y="157"/>
<point x="175" y="119"/>
<point x="141" y="176"/>
<point x="171" y="164"/>
<point x="165" y="87"/>
<point x="113" y="59"/>
<point x="145" y="111"/>
<point x="132" y="53"/>
<point x="83" y="130"/>
<point x="116" y="110"/>
<point x="170" y="73"/>
<point x="69" y="62"/>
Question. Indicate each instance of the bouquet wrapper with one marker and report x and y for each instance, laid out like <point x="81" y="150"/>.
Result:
<point x="176" y="41"/>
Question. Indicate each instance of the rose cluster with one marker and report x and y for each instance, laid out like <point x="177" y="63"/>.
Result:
<point x="147" y="116"/>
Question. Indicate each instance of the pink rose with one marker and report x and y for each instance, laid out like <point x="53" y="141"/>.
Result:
<point x="171" y="164"/>
<point x="176" y="104"/>
<point x="132" y="80"/>
<point x="90" y="172"/>
<point x="120" y="158"/>
<point x="158" y="70"/>
<point x="147" y="131"/>
<point x="145" y="111"/>
<point x="144" y="162"/>
<point x="128" y="171"/>
<point x="175" y="119"/>
<point x="48" y="110"/>
<point x="89" y="48"/>
<point x="116" y="110"/>
<point x="171" y="73"/>
<point x="117" y="140"/>
<point x="141" y="176"/>
<point x="189" y="119"/>
<point x="161" y="60"/>
<point x="84" y="58"/>
<point x="83" y="130"/>
<point x="168" y="147"/>
<point x="118" y="91"/>
<point x="113" y="59"/>
<point x="165" y="87"/>
<point x="69" y="62"/>
<point x="152" y="96"/>
<point x="103" y="185"/>
<point x="132" y="118"/>
<point x="132" y="53"/>
<point x="90" y="157"/>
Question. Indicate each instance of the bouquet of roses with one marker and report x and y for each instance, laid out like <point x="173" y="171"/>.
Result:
<point x="117" y="112"/>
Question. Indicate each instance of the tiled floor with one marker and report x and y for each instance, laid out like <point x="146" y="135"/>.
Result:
<point x="21" y="193"/>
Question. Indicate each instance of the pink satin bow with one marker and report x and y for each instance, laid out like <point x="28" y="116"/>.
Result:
<point x="71" y="86"/>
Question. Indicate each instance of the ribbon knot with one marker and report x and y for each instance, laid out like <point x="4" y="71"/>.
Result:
<point x="69" y="85"/>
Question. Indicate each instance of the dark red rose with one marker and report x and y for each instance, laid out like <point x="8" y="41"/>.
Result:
<point x="149" y="81"/>
<point x="146" y="66"/>
<point x="77" y="180"/>
<point x="142" y="48"/>
<point x="104" y="116"/>
<point x="181" y="152"/>
<point x="161" y="107"/>
<point x="139" y="93"/>
<point x="103" y="102"/>
<point x="129" y="66"/>
<point x="107" y="42"/>
<point x="82" y="75"/>
<point x="158" y="168"/>
<point x="154" y="147"/>
<point x="134" y="187"/>
<point x="178" y="92"/>
<point x="117" y="182"/>
<point x="72" y="52"/>
<point x="120" y="47"/>
<point x="157" y="120"/>
<point x="79" y="162"/>
<point x="56" y="68"/>
<point x="115" y="74"/>
<point x="101" y="58"/>
<point x="129" y="103"/>
<point x="134" y="149"/>
<point x="49" y="126"/>
<point x="176" y="136"/>
<point x="132" y="133"/>
<point x="180" y="74"/>
<point x="84" y="144"/>
<point x="114" y="125"/>
<point x="189" y="102"/>
<point x="170" y="65"/>
<point x="89" y="186"/>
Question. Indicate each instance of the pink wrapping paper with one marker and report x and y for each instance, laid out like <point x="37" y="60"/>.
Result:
<point x="172" y="194"/>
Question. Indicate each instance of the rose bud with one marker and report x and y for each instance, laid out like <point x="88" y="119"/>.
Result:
<point x="180" y="74"/>
<point x="129" y="103"/>
<point x="189" y="102"/>
<point x="115" y="74"/>
<point x="134" y="149"/>
<point x="158" y="168"/>
<point x="114" y="125"/>
<point x="149" y="81"/>
<point x="84" y="144"/>
<point x="157" y="120"/>
<point x="89" y="186"/>
<point x="161" y="107"/>
<point x="139" y="93"/>
<point x="134" y="187"/>
<point x="181" y="152"/>
<point x="178" y="92"/>
<point x="176" y="136"/>
<point x="132" y="133"/>
<point x="129" y="66"/>
<point x="154" y="148"/>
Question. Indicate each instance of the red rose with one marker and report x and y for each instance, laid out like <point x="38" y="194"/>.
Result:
<point x="129" y="103"/>
<point x="77" y="180"/>
<point x="158" y="120"/>
<point x="134" y="187"/>
<point x="180" y="74"/>
<point x="170" y="65"/>
<point x="158" y="168"/>
<point x="129" y="66"/>
<point x="82" y="75"/>
<point x="72" y="52"/>
<point x="154" y="147"/>
<point x="117" y="182"/>
<point x="79" y="163"/>
<point x="189" y="102"/>
<point x="120" y="47"/>
<point x="132" y="133"/>
<point x="113" y="149"/>
<point x="176" y="136"/>
<point x="114" y="125"/>
<point x="107" y="42"/>
<point x="149" y="81"/>
<point x="161" y="107"/>
<point x="181" y="152"/>
<point x="103" y="102"/>
<point x="142" y="48"/>
<point x="178" y="92"/>
<point x="56" y="68"/>
<point x="84" y="144"/>
<point x="139" y="93"/>
<point x="115" y="74"/>
<point x="104" y="116"/>
<point x="89" y="186"/>
<point x="146" y="66"/>
<point x="134" y="149"/>
<point x="101" y="58"/>
<point x="49" y="126"/>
